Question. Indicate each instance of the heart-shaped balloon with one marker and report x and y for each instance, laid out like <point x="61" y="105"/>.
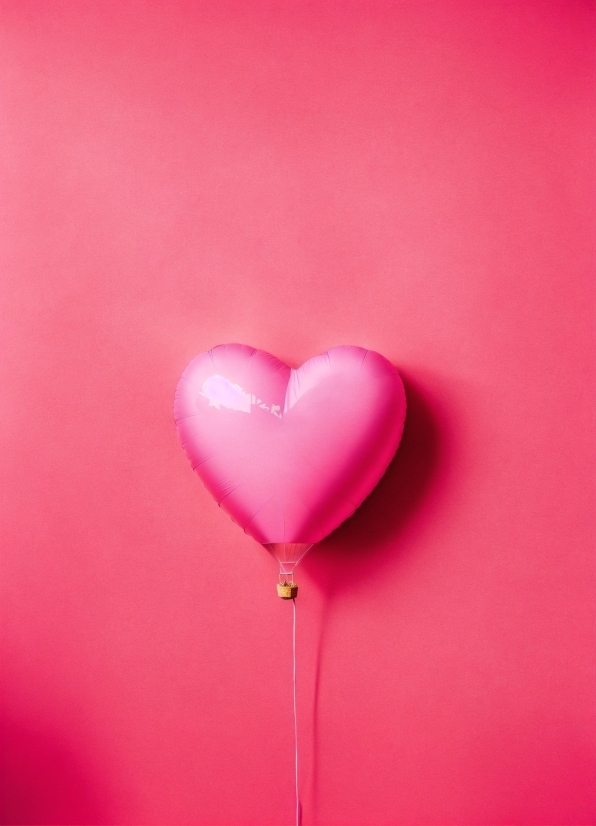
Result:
<point x="289" y="454"/>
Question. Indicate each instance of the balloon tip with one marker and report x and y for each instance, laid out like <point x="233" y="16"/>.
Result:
<point x="287" y="590"/>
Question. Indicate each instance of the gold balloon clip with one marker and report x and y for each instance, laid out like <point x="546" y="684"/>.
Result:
<point x="287" y="590"/>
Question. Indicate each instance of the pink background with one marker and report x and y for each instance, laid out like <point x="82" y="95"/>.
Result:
<point x="415" y="178"/>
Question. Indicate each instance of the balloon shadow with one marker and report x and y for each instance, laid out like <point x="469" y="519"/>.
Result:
<point x="360" y="544"/>
<point x="365" y="542"/>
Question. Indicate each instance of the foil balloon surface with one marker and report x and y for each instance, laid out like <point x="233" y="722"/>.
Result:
<point x="289" y="454"/>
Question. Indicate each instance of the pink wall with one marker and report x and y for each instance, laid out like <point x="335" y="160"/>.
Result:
<point x="416" y="178"/>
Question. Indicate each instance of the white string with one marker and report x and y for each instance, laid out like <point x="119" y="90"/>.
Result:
<point x="295" y="716"/>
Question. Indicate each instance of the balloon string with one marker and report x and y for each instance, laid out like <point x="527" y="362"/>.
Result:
<point x="295" y="717"/>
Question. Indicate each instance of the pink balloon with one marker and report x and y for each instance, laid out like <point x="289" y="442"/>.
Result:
<point x="289" y="454"/>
